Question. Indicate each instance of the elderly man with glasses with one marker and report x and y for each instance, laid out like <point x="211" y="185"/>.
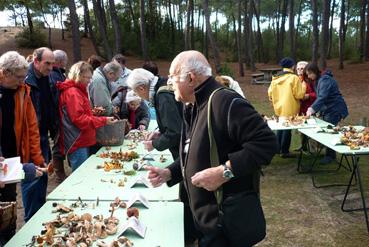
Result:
<point x="244" y="143"/>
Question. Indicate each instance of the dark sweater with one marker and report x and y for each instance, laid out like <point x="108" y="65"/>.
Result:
<point x="241" y="136"/>
<point x="8" y="139"/>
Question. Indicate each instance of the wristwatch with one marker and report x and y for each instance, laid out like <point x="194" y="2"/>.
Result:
<point x="227" y="173"/>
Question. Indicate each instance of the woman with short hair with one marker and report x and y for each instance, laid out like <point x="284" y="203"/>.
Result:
<point x="78" y="124"/>
<point x="168" y="110"/>
<point x="329" y="102"/>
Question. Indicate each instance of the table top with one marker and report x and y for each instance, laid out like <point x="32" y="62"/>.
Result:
<point x="274" y="125"/>
<point x="140" y="149"/>
<point x="328" y="139"/>
<point x="88" y="182"/>
<point x="164" y="222"/>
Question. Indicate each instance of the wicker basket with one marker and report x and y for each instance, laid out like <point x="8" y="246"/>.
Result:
<point x="111" y="135"/>
<point x="8" y="214"/>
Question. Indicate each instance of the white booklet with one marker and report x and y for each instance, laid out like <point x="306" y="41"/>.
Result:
<point x="135" y="225"/>
<point x="11" y="171"/>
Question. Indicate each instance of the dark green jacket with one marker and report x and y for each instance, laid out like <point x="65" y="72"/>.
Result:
<point x="169" y="118"/>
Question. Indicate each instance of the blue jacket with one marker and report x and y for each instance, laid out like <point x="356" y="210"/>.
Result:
<point x="329" y="98"/>
<point x="32" y="81"/>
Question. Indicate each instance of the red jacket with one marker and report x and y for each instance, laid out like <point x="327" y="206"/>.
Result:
<point x="78" y="124"/>
<point x="305" y="104"/>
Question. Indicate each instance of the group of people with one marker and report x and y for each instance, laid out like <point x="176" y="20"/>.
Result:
<point x="39" y="101"/>
<point x="303" y="89"/>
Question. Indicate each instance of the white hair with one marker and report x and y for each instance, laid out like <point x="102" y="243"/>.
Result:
<point x="139" y="77"/>
<point x="196" y="63"/>
<point x="302" y="63"/>
<point x="12" y="61"/>
<point x="113" y="67"/>
<point x="60" y="56"/>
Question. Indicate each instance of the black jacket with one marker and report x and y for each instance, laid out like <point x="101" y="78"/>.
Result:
<point x="169" y="118"/>
<point x="33" y="81"/>
<point x="241" y="136"/>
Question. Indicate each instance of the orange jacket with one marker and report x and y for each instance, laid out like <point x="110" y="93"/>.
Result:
<point x="26" y="127"/>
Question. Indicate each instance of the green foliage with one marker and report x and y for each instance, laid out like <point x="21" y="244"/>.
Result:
<point x="226" y="70"/>
<point x="25" y="39"/>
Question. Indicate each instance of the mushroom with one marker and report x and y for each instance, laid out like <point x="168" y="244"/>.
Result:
<point x="111" y="229"/>
<point x="86" y="216"/>
<point x="125" y="241"/>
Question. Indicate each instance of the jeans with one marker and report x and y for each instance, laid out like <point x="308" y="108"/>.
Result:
<point x="78" y="157"/>
<point x="284" y="141"/>
<point x="33" y="195"/>
<point x="45" y="147"/>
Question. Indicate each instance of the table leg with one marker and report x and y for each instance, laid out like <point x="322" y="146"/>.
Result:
<point x="356" y="173"/>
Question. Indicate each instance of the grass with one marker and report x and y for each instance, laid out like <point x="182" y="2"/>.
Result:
<point x="298" y="214"/>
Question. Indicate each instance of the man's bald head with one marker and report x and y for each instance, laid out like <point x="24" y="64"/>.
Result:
<point x="193" y="61"/>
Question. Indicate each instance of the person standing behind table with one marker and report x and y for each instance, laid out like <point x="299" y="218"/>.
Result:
<point x="58" y="75"/>
<point x="329" y="102"/>
<point x="44" y="99"/>
<point x="244" y="144"/>
<point x="119" y="87"/>
<point x="285" y="92"/>
<point x="19" y="134"/>
<point x="78" y="124"/>
<point x="168" y="110"/>
<point x="135" y="111"/>
<point x="100" y="87"/>
<point x="309" y="97"/>
<point x="230" y="83"/>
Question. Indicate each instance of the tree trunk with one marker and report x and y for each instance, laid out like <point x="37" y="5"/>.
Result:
<point x="116" y="26"/>
<point x="172" y="27"/>
<point x="325" y="34"/>
<point x="29" y="19"/>
<point x="283" y="27"/>
<point x="259" y="37"/>
<point x="89" y="26"/>
<point x="342" y="34"/>
<point x="192" y="25"/>
<point x="315" y="47"/>
<point x="238" y="38"/>
<point x="366" y="47"/>
<point x="250" y="38"/>
<point x="187" y="34"/>
<point x="143" y="30"/>
<point x="210" y="36"/>
<point x="61" y="23"/>
<point x="298" y="23"/>
<point x="278" y="54"/>
<point x="47" y="24"/>
<point x="101" y="28"/>
<point x="331" y="29"/>
<point x="362" y="29"/>
<point x="292" y="29"/>
<point x="75" y="31"/>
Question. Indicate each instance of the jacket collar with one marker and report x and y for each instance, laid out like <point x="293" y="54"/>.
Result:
<point x="203" y="91"/>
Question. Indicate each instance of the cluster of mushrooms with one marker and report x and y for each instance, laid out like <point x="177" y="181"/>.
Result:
<point x="72" y="230"/>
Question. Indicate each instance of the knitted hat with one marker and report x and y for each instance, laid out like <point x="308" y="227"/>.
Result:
<point x="131" y="96"/>
<point x="287" y="62"/>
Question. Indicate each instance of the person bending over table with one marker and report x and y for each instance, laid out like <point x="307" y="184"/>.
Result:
<point x="329" y="103"/>
<point x="78" y="124"/>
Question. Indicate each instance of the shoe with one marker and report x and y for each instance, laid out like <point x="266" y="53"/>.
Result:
<point x="287" y="155"/>
<point x="326" y="160"/>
